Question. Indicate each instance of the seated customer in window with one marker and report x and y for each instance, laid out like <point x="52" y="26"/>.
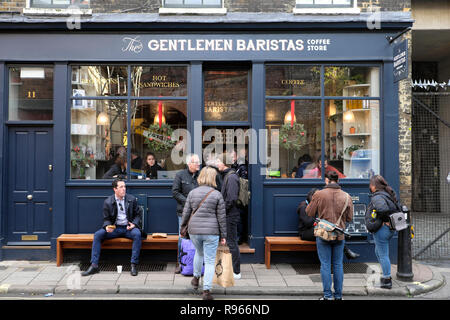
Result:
<point x="303" y="162"/>
<point x="314" y="171"/>
<point x="118" y="169"/>
<point x="150" y="167"/>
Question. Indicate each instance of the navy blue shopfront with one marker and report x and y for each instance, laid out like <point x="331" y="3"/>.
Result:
<point x="74" y="205"/>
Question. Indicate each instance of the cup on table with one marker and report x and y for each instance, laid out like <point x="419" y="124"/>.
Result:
<point x="119" y="269"/>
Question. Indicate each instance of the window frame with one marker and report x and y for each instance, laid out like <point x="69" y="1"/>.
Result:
<point x="323" y="98"/>
<point x="130" y="99"/>
<point x="31" y="5"/>
<point x="353" y="3"/>
<point x="188" y="6"/>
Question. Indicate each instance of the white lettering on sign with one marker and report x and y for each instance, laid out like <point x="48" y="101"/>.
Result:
<point x="135" y="45"/>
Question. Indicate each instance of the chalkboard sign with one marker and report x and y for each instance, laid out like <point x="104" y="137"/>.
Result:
<point x="358" y="224"/>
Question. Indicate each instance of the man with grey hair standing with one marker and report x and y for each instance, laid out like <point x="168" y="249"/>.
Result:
<point x="185" y="181"/>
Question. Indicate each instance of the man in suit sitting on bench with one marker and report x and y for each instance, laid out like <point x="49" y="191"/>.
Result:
<point x="122" y="218"/>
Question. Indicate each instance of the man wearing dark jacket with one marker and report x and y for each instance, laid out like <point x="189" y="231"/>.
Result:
<point x="122" y="218"/>
<point x="230" y="193"/>
<point x="185" y="181"/>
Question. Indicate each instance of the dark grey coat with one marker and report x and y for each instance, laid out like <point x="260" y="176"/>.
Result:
<point x="183" y="183"/>
<point x="210" y="218"/>
<point x="384" y="205"/>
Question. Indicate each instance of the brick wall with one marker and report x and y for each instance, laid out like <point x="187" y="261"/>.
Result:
<point x="405" y="133"/>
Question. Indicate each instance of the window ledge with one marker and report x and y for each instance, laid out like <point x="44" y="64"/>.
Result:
<point x="193" y="11"/>
<point x="56" y="12"/>
<point x="327" y="11"/>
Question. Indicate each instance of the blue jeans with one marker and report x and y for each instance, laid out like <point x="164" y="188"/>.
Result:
<point x="382" y="238"/>
<point x="331" y="253"/>
<point x="120" y="232"/>
<point x="205" y="251"/>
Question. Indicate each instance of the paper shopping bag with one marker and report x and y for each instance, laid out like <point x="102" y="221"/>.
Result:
<point x="223" y="275"/>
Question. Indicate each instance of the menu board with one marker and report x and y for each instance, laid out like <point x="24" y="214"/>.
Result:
<point x="358" y="224"/>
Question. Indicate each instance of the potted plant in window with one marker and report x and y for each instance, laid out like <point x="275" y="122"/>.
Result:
<point x="349" y="150"/>
<point x="80" y="159"/>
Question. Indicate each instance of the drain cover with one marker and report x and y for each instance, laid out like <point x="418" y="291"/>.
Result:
<point x="308" y="269"/>
<point x="145" y="266"/>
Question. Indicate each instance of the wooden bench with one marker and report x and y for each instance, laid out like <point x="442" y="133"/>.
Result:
<point x="286" y="244"/>
<point x="84" y="241"/>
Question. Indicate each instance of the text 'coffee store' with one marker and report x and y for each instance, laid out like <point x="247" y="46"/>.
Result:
<point x="297" y="96"/>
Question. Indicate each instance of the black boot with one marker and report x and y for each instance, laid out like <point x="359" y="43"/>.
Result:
<point x="350" y="254"/>
<point x="91" y="270"/>
<point x="386" y="283"/>
<point x="134" y="271"/>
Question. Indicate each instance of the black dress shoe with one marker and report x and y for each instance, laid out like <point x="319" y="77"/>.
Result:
<point x="90" y="270"/>
<point x="350" y="254"/>
<point x="134" y="271"/>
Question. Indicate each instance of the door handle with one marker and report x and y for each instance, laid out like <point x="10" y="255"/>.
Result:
<point x="50" y="167"/>
<point x="30" y="197"/>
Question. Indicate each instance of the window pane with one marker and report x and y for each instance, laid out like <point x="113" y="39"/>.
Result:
<point x="98" y="139"/>
<point x="292" y="80"/>
<point x="152" y="141"/>
<point x="30" y="93"/>
<point x="226" y="95"/>
<point x="217" y="3"/>
<point x="352" y="81"/>
<point x="59" y="3"/>
<point x="173" y="2"/>
<point x="154" y="81"/>
<point x="298" y="138"/>
<point x="192" y="2"/>
<point x="99" y="81"/>
<point x="352" y="137"/>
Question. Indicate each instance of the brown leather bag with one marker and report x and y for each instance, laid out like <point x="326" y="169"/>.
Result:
<point x="184" y="229"/>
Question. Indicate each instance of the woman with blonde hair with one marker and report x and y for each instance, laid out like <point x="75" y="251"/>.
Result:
<point x="204" y="214"/>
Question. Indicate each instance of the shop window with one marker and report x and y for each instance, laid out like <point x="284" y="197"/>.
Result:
<point x="292" y="81"/>
<point x="59" y="3"/>
<point x="226" y="95"/>
<point x="30" y="93"/>
<point x="298" y="138"/>
<point x="91" y="81"/>
<point x="98" y="139"/>
<point x="325" y="3"/>
<point x="155" y="153"/>
<point x="193" y="3"/>
<point x="155" y="81"/>
<point x="351" y="144"/>
<point x="107" y="100"/>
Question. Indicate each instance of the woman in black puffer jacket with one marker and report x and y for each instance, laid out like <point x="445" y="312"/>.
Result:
<point x="383" y="203"/>
<point x="207" y="225"/>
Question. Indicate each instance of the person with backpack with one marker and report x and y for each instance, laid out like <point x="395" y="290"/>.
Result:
<point x="383" y="202"/>
<point x="205" y="216"/>
<point x="335" y="206"/>
<point x="230" y="193"/>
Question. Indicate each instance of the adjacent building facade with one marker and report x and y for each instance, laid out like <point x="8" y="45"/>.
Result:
<point x="94" y="85"/>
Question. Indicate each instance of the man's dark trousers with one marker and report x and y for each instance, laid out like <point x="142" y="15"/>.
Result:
<point x="232" y="242"/>
<point x="120" y="232"/>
